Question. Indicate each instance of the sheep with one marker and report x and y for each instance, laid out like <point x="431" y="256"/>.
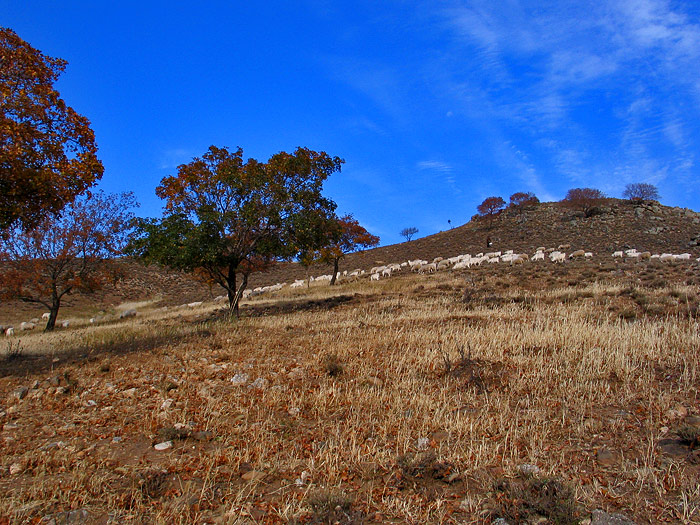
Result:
<point x="9" y="332"/>
<point x="247" y="293"/>
<point x="645" y="255"/>
<point x="443" y="265"/>
<point x="631" y="251"/>
<point x="492" y="254"/>
<point x="386" y="272"/>
<point x="374" y="277"/>
<point x="683" y="257"/>
<point x="298" y="283"/>
<point x="618" y="254"/>
<point x="517" y="260"/>
<point x="461" y="265"/>
<point x="437" y="260"/>
<point x="563" y="247"/>
<point x="539" y="256"/>
<point x="666" y="257"/>
<point x="576" y="254"/>
<point x="65" y="324"/>
<point x="194" y="304"/>
<point x="45" y="316"/>
<point x="428" y="268"/>
<point x="588" y="255"/>
<point x="27" y="326"/>
<point x="557" y="257"/>
<point x="540" y="249"/>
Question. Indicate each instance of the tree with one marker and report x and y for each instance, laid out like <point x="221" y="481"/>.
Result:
<point x="641" y="191"/>
<point x="520" y="201"/>
<point x="584" y="199"/>
<point x="409" y="232"/>
<point x="490" y="208"/>
<point x="350" y="236"/>
<point x="48" y="154"/>
<point x="65" y="253"/>
<point x="225" y="217"/>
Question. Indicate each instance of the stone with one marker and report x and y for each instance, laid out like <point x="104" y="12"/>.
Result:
<point x="260" y="383"/>
<point x="599" y="517"/>
<point x="127" y="314"/>
<point x="253" y="475"/>
<point x="529" y="469"/>
<point x="20" y="393"/>
<point x="16" y="468"/>
<point x="607" y="458"/>
<point x="422" y="443"/>
<point x="673" y="447"/>
<point x="239" y="379"/>
<point x="693" y="421"/>
<point x="165" y="445"/>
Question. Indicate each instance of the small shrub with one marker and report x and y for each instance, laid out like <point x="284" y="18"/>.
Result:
<point x="334" y="367"/>
<point x="329" y="506"/>
<point x="530" y="498"/>
<point x="14" y="351"/>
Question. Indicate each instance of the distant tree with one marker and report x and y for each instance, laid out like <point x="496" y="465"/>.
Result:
<point x="641" y="191"/>
<point x="490" y="208"/>
<point x="227" y="218"/>
<point x="409" y="232"/>
<point x="65" y="253"/>
<point x="350" y="236"/>
<point x="584" y="199"/>
<point x="521" y="201"/>
<point x="48" y="154"/>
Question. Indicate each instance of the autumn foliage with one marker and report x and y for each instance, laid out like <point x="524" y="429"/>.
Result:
<point x="227" y="217"/>
<point x="349" y="237"/>
<point x="584" y="199"/>
<point x="48" y="154"/>
<point x="490" y="207"/>
<point x="65" y="253"/>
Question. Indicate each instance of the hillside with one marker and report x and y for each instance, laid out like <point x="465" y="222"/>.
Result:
<point x="620" y="225"/>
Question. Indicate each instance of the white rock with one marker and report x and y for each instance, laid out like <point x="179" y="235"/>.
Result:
<point x="165" y="445"/>
<point x="239" y="379"/>
<point x="166" y="404"/>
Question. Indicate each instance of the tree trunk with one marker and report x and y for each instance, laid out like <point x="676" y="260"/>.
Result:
<point x="239" y="293"/>
<point x="53" y="314"/>
<point x="335" y="270"/>
<point x="231" y="288"/>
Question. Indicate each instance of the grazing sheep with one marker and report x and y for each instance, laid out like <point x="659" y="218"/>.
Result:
<point x="428" y="268"/>
<point x="374" y="277"/>
<point x="588" y="255"/>
<point x="557" y="257"/>
<point x="45" y="316"/>
<point x="577" y="254"/>
<point x="517" y="260"/>
<point x="666" y="257"/>
<point x="27" y="326"/>
<point x="461" y="265"/>
<point x="194" y="304"/>
<point x="386" y="272"/>
<point x="539" y="256"/>
<point x="645" y="255"/>
<point x="563" y="247"/>
<point x="443" y="265"/>
<point x="437" y="260"/>
<point x="65" y="324"/>
<point x="127" y="313"/>
<point x="9" y="332"/>
<point x="298" y="283"/>
<point x="683" y="257"/>
<point x="540" y="249"/>
<point x="618" y="254"/>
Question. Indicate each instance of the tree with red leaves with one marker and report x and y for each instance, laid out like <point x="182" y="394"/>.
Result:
<point x="65" y="253"/>
<point x="48" y="154"/>
<point x="490" y="208"/>
<point x="349" y="236"/>
<point x="584" y="199"/>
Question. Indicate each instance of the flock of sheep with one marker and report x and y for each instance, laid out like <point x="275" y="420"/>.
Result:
<point x="459" y="262"/>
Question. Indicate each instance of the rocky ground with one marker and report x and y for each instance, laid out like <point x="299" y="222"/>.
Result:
<point x="537" y="394"/>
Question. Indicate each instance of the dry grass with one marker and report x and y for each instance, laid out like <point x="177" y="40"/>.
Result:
<point x="406" y="401"/>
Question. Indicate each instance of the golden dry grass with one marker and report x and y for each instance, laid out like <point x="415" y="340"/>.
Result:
<point x="433" y="402"/>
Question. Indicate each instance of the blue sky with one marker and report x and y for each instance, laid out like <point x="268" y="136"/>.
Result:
<point x="434" y="105"/>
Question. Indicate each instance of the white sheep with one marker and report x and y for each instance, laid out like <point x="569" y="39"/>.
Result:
<point x="618" y="254"/>
<point x="557" y="256"/>
<point x="386" y="272"/>
<point x="576" y="254"/>
<point x="374" y="277"/>
<point x="9" y="332"/>
<point x="588" y="255"/>
<point x="683" y="257"/>
<point x="443" y="265"/>
<point x="539" y="256"/>
<point x="428" y="268"/>
<point x="26" y="326"/>
<point x="45" y="316"/>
